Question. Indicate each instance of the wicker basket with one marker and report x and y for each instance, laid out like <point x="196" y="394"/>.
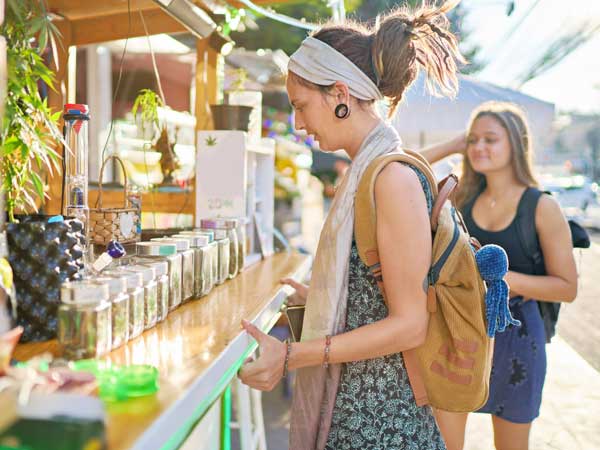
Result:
<point x="120" y="224"/>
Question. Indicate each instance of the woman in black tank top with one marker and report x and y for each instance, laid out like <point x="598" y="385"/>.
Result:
<point x="494" y="196"/>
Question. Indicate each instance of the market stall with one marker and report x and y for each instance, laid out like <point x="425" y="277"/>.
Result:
<point x="127" y="341"/>
<point x="197" y="351"/>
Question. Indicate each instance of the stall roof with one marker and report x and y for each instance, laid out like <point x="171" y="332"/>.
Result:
<point x="90" y="22"/>
<point x="79" y="10"/>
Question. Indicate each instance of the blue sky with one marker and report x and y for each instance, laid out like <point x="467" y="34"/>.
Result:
<point x="574" y="84"/>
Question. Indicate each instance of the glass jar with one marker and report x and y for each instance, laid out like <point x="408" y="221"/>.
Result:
<point x="157" y="251"/>
<point x="213" y="250"/>
<point x="195" y="247"/>
<point x="229" y="227"/>
<point x="187" y="265"/>
<point x="150" y="294"/>
<point x="119" y="301"/>
<point x="135" y="290"/>
<point x="161" y="269"/>
<point x="240" y="230"/>
<point x="84" y="319"/>
<point x="223" y="246"/>
<point x="206" y="254"/>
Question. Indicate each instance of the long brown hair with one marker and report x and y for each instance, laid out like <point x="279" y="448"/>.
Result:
<point x="392" y="52"/>
<point x="513" y="119"/>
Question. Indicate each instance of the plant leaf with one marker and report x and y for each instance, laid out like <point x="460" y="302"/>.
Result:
<point x="38" y="184"/>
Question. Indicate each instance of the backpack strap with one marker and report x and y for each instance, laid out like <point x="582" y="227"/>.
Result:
<point x="365" y="217"/>
<point x="526" y="228"/>
<point x="365" y="233"/>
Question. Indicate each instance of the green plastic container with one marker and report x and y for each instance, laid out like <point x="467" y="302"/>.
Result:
<point x="117" y="383"/>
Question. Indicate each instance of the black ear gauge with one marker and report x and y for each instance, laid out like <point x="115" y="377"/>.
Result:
<point x="342" y="111"/>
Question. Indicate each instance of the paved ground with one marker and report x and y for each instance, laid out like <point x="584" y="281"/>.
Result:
<point x="579" y="321"/>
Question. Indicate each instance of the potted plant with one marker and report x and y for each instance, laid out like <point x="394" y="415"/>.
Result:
<point x="146" y="104"/>
<point x="42" y="255"/>
<point x="233" y="116"/>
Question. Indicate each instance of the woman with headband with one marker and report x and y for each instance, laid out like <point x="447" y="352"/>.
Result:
<point x="352" y="389"/>
<point x="498" y="197"/>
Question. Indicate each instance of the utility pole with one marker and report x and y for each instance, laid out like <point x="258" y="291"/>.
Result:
<point x="593" y="139"/>
<point x="338" y="10"/>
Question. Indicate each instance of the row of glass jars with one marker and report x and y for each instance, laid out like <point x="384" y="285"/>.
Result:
<point x="99" y="315"/>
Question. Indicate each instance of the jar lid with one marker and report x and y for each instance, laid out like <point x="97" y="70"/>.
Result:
<point x="133" y="279"/>
<point x="155" y="248"/>
<point x="84" y="292"/>
<point x="208" y="233"/>
<point x="182" y="244"/>
<point x="160" y="267"/>
<point x="147" y="271"/>
<point x="196" y="240"/>
<point x="208" y="223"/>
<point x="116" y="285"/>
<point x="205" y="240"/>
<point x="226" y="223"/>
<point x="220" y="234"/>
<point x="217" y="223"/>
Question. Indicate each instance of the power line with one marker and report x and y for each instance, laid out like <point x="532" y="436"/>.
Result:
<point x="501" y="43"/>
<point x="279" y="17"/>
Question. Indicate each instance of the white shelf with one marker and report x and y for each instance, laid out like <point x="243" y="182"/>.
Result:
<point x="265" y="147"/>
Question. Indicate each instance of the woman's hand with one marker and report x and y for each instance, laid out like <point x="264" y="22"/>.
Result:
<point x="301" y="292"/>
<point x="437" y="152"/>
<point x="265" y="372"/>
<point x="510" y="276"/>
<point x="459" y="144"/>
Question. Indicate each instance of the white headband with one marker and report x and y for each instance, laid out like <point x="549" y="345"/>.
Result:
<point x="317" y="62"/>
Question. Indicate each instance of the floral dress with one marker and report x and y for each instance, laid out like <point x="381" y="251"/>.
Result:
<point x="375" y="407"/>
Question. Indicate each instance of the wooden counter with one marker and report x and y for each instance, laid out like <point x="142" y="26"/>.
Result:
<point x="197" y="350"/>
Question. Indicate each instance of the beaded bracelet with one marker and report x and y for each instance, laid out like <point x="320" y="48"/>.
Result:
<point x="326" y="357"/>
<point x="287" y="357"/>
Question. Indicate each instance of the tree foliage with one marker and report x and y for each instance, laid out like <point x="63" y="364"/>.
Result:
<point x="275" y="35"/>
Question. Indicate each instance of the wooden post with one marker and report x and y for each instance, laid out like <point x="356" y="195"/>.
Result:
<point x="206" y="84"/>
<point x="206" y="80"/>
<point x="56" y="100"/>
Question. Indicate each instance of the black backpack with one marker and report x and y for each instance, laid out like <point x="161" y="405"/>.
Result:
<point x="530" y="243"/>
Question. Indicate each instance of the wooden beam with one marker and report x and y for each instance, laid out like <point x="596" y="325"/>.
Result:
<point x="239" y="5"/>
<point x="109" y="28"/>
<point x="78" y="9"/>
<point x="158" y="202"/>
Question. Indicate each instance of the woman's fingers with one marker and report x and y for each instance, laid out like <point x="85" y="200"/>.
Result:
<point x="291" y="282"/>
<point x="257" y="377"/>
<point x="301" y="289"/>
<point x="253" y="331"/>
<point x="266" y="370"/>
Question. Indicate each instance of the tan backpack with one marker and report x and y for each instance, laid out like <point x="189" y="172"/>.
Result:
<point x="451" y="370"/>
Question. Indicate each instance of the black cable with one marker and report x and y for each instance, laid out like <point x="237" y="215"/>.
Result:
<point x="112" y="120"/>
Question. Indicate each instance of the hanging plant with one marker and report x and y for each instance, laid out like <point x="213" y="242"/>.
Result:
<point x="29" y="130"/>
<point x="146" y="104"/>
<point x="240" y="79"/>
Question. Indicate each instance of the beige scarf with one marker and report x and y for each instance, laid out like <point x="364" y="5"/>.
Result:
<point x="316" y="387"/>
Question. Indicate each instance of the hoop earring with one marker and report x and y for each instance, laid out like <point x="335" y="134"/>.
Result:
<point x="342" y="111"/>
